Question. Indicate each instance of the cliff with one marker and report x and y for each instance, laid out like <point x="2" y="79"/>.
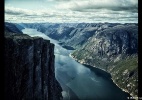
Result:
<point x="115" y="51"/>
<point x="29" y="68"/>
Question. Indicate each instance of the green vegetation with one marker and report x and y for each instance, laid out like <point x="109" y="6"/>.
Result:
<point x="124" y="72"/>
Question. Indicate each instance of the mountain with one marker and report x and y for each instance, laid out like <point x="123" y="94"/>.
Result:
<point x="29" y="67"/>
<point x="10" y="27"/>
<point x="115" y="51"/>
<point x="112" y="47"/>
<point x="72" y="34"/>
<point x="19" y="26"/>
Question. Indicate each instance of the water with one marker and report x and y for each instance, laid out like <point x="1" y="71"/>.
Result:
<point x="80" y="82"/>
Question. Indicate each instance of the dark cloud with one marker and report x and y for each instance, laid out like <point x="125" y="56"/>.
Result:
<point x="11" y="12"/>
<point x="114" y="6"/>
<point x="25" y="12"/>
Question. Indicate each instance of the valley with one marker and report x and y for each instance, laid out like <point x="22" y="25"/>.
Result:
<point x="108" y="52"/>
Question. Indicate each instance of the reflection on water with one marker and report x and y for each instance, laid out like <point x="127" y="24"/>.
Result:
<point x="79" y="81"/>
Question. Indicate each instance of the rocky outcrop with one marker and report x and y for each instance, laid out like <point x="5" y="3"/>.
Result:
<point x="29" y="69"/>
<point x="115" y="51"/>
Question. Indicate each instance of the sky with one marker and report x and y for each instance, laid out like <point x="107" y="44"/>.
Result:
<point x="71" y="11"/>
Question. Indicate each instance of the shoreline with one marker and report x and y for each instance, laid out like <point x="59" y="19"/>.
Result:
<point x="124" y="90"/>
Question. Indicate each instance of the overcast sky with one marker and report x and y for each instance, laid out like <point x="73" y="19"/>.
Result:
<point x="91" y="11"/>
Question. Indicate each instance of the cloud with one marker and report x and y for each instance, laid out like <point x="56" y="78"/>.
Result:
<point x="115" y="5"/>
<point x="19" y="11"/>
<point x="62" y="0"/>
<point x="77" y="11"/>
<point x="59" y="0"/>
<point x="49" y="15"/>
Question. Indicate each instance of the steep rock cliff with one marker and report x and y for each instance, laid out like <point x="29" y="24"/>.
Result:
<point x="29" y="69"/>
<point x="115" y="51"/>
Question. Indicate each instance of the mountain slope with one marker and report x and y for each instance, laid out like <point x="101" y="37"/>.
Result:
<point x="72" y="34"/>
<point x="10" y="27"/>
<point x="115" y="51"/>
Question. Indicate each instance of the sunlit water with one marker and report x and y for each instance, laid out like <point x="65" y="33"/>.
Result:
<point x="77" y="80"/>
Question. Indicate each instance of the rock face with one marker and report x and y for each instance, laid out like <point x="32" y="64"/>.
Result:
<point x="114" y="41"/>
<point x="115" y="51"/>
<point x="29" y="69"/>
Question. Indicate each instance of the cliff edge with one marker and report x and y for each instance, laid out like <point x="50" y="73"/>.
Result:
<point x="29" y="68"/>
